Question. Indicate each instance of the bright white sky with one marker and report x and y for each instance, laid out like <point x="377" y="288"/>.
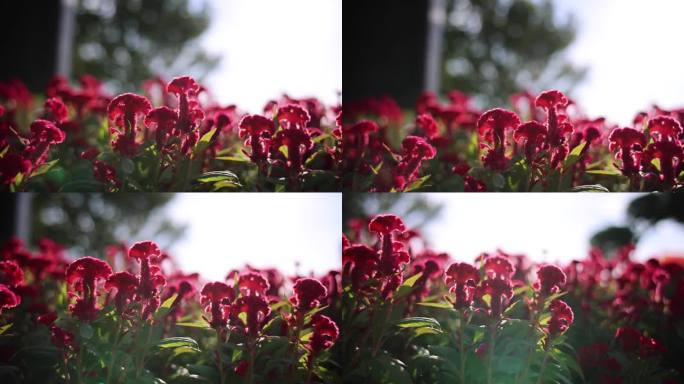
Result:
<point x="545" y="226"/>
<point x="271" y="47"/>
<point x="226" y="231"/>
<point x="632" y="49"/>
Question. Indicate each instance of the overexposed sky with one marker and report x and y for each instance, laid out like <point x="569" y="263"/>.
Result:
<point x="226" y="231"/>
<point x="271" y="47"/>
<point x="631" y="48"/>
<point x="545" y="226"/>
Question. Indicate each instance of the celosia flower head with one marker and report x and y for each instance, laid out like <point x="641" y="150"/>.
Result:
<point x="8" y="299"/>
<point x="462" y="279"/>
<point x="257" y="310"/>
<point x="551" y="278"/>
<point x="126" y="285"/>
<point x="561" y="317"/>
<point x="212" y="297"/>
<point x="124" y="110"/>
<point x="253" y="284"/>
<point x="293" y="116"/>
<point x="308" y="294"/>
<point x="325" y="333"/>
<point x="10" y="273"/>
<point x="86" y="271"/>
<point x="664" y="128"/>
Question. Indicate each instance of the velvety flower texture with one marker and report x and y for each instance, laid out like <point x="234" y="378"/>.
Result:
<point x="84" y="274"/>
<point x="126" y="285"/>
<point x="212" y="297"/>
<point x="492" y="126"/>
<point x="392" y="255"/>
<point x="257" y="131"/>
<point x="123" y="112"/>
<point x="8" y="299"/>
<point x="551" y="278"/>
<point x="362" y="262"/>
<point x="308" y="294"/>
<point x="561" y="317"/>
<point x="415" y="150"/>
<point x="462" y="278"/>
<point x="628" y="144"/>
<point x="10" y="273"/>
<point x="257" y="310"/>
<point x="325" y="333"/>
<point x="253" y="284"/>
<point x="151" y="278"/>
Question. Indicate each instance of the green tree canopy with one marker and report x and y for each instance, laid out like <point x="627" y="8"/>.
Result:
<point x="127" y="41"/>
<point x="494" y="48"/>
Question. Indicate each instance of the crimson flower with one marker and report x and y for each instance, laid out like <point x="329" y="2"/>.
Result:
<point x="498" y="267"/>
<point x="298" y="143"/>
<point x="355" y="138"/>
<point x="147" y="252"/>
<point x="428" y="124"/>
<point x="361" y="261"/>
<point x="105" y="173"/>
<point x="163" y="121"/>
<point x="11" y="165"/>
<point x="10" y="273"/>
<point x="552" y="101"/>
<point x="628" y="337"/>
<point x="126" y="285"/>
<point x="670" y="154"/>
<point x="257" y="310"/>
<point x="123" y="112"/>
<point x="561" y="317"/>
<point x="55" y="110"/>
<point x="391" y="256"/>
<point x="85" y="272"/>
<point x="532" y="134"/>
<point x="462" y="278"/>
<point x="8" y="299"/>
<point x="414" y="151"/>
<point x="62" y="338"/>
<point x="189" y="112"/>
<point x="253" y="284"/>
<point x="664" y="128"/>
<point x="256" y="130"/>
<point x="325" y="333"/>
<point x="491" y="127"/>
<point x="43" y="134"/>
<point x="498" y="290"/>
<point x="550" y="279"/>
<point x="308" y="293"/>
<point x="293" y="116"/>
<point x="628" y="144"/>
<point x="213" y="297"/>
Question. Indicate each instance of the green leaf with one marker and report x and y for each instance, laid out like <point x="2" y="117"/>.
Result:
<point x="203" y="143"/>
<point x="175" y="342"/>
<point x="165" y="307"/>
<point x="195" y="324"/>
<point x="234" y="159"/>
<point x="604" y="172"/>
<point x="5" y="327"/>
<point x="419" y="322"/>
<point x="214" y="176"/>
<point x="44" y="168"/>
<point x="412" y="280"/>
<point x="436" y="305"/>
<point x="417" y="184"/>
<point x="590" y="188"/>
<point x="656" y="163"/>
<point x="573" y="157"/>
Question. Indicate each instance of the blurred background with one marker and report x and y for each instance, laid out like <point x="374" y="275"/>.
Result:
<point x="615" y="57"/>
<point x="545" y="226"/>
<point x="206" y="233"/>
<point x="245" y="51"/>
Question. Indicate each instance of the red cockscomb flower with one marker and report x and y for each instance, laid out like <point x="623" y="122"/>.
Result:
<point x="11" y="165"/>
<point x="386" y="224"/>
<point x="10" y="273"/>
<point x="252" y="284"/>
<point x="325" y="333"/>
<point x="462" y="278"/>
<point x="307" y="294"/>
<point x="362" y="262"/>
<point x="256" y="130"/>
<point x="293" y="116"/>
<point x="105" y="173"/>
<point x="428" y="125"/>
<point x="257" y="310"/>
<point x="551" y="278"/>
<point x="670" y="154"/>
<point x="552" y="101"/>
<point x="86" y="271"/>
<point x="189" y="112"/>
<point x="498" y="290"/>
<point x="414" y="151"/>
<point x="163" y="121"/>
<point x="628" y="337"/>
<point x="123" y="112"/>
<point x="627" y="143"/>
<point x="8" y="299"/>
<point x="298" y="143"/>
<point x="491" y="127"/>
<point x="126" y="285"/>
<point x="43" y="134"/>
<point x="561" y="317"/>
<point x="55" y="110"/>
<point x="664" y="128"/>
<point x="498" y="267"/>
<point x="213" y="296"/>
<point x="392" y="255"/>
<point x="532" y="134"/>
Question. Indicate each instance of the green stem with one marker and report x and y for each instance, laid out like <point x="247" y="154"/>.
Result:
<point x="543" y="366"/>
<point x="530" y="351"/>
<point x="219" y="360"/>
<point x="112" y="360"/>
<point x="491" y="352"/>
<point x="250" y="374"/>
<point x="141" y="361"/>
<point x="461" y="351"/>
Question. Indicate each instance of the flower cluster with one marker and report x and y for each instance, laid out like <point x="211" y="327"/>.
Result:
<point x="174" y="136"/>
<point x="130" y="323"/>
<point x="543" y="143"/>
<point x="503" y="318"/>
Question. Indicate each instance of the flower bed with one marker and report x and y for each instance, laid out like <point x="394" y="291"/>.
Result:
<point x="417" y="317"/>
<point x="81" y="139"/>
<point x="82" y="322"/>
<point x="544" y="144"/>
